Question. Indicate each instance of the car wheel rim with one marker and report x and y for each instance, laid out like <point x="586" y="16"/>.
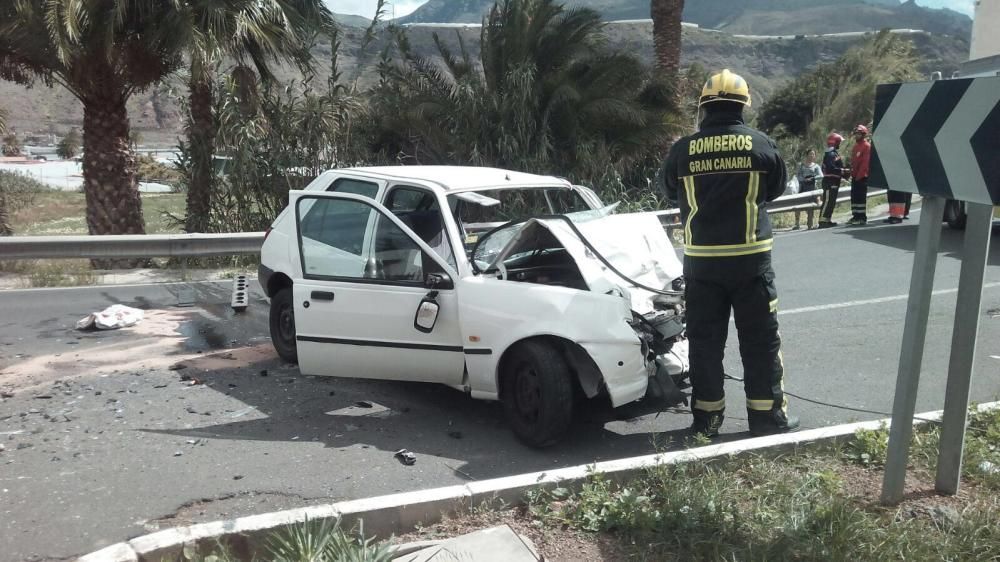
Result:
<point x="527" y="394"/>
<point x="286" y="325"/>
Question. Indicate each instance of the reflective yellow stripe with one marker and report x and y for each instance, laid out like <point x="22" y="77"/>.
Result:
<point x="728" y="251"/>
<point x="769" y="242"/>
<point x="784" y="397"/>
<point x="752" y="188"/>
<point x="773" y="307"/>
<point x="760" y="405"/>
<point x="693" y="203"/>
<point x="710" y="405"/>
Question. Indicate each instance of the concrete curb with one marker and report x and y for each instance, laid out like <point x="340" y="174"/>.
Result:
<point x="395" y="513"/>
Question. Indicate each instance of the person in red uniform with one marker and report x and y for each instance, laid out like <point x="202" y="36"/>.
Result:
<point x="860" y="160"/>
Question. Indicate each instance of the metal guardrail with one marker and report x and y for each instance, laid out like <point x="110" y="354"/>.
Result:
<point x="207" y="245"/>
<point x="130" y="246"/>
<point x="809" y="203"/>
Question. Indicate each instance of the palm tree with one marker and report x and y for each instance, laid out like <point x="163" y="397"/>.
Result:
<point x="666" y="16"/>
<point x="5" y="229"/>
<point x="101" y="51"/>
<point x="248" y="31"/>
<point x="544" y="96"/>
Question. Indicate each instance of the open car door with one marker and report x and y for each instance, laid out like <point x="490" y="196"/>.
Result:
<point x="372" y="300"/>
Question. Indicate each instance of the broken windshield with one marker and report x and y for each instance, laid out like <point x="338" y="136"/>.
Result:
<point x="490" y="245"/>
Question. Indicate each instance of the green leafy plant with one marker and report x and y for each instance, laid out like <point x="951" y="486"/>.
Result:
<point x="69" y="145"/>
<point x="868" y="447"/>
<point x="325" y="541"/>
<point x="11" y="145"/>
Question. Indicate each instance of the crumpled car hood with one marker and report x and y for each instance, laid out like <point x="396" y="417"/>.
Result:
<point x="634" y="243"/>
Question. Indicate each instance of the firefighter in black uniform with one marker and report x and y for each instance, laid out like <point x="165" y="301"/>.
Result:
<point x="722" y="178"/>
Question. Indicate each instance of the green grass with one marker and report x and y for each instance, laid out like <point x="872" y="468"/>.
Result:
<point x="64" y="212"/>
<point x="816" y="505"/>
<point x="981" y="456"/>
<point x="311" y="541"/>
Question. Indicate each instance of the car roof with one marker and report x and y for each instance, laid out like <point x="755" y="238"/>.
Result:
<point x="452" y="179"/>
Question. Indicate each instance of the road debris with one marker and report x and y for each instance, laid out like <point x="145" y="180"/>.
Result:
<point x="363" y="404"/>
<point x="243" y="412"/>
<point x="406" y="457"/>
<point x="111" y="318"/>
<point x="177" y="367"/>
<point x="178" y="453"/>
<point x="455" y="434"/>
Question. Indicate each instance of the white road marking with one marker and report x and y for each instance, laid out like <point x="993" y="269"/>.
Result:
<point x="848" y="304"/>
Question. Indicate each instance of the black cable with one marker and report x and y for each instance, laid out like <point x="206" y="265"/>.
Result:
<point x="837" y="406"/>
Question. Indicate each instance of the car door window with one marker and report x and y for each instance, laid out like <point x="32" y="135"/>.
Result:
<point x="356" y="187"/>
<point x="419" y="210"/>
<point x="331" y="235"/>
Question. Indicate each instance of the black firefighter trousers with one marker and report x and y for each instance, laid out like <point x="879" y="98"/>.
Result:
<point x="753" y="301"/>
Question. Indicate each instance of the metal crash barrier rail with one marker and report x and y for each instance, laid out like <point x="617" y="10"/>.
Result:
<point x="249" y="243"/>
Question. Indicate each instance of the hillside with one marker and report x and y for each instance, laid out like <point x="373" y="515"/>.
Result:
<point x="766" y="63"/>
<point x="757" y="17"/>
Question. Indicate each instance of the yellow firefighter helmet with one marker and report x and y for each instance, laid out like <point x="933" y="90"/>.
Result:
<point x="725" y="86"/>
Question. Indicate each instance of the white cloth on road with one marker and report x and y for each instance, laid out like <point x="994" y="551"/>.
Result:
<point x="111" y="318"/>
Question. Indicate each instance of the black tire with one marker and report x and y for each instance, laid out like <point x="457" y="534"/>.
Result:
<point x="954" y="215"/>
<point x="536" y="390"/>
<point x="282" y="324"/>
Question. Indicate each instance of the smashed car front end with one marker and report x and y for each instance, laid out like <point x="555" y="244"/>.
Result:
<point x="629" y="258"/>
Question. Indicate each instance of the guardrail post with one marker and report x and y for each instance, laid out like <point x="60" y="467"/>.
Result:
<point x="911" y="354"/>
<point x="810" y="219"/>
<point x="963" y="347"/>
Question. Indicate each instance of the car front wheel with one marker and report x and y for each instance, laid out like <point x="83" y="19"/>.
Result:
<point x="282" y="323"/>
<point x="537" y="393"/>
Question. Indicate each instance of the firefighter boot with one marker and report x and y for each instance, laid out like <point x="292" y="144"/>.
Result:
<point x="707" y="423"/>
<point x="768" y="423"/>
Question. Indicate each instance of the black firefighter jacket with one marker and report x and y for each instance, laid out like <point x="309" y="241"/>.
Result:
<point x="722" y="178"/>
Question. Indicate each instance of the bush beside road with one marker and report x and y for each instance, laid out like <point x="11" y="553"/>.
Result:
<point x="814" y="504"/>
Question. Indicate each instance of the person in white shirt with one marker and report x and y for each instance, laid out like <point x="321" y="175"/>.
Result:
<point x="808" y="172"/>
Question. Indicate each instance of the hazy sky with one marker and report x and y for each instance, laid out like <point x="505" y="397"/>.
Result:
<point x="367" y="7"/>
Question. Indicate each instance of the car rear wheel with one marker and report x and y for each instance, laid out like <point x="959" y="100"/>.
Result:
<point x="282" y="323"/>
<point x="537" y="393"/>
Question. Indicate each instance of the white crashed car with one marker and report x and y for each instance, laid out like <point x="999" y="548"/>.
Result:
<point x="497" y="283"/>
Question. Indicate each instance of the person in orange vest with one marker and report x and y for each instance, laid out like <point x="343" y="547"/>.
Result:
<point x="860" y="161"/>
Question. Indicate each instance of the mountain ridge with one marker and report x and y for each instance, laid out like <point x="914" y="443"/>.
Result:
<point x="760" y="17"/>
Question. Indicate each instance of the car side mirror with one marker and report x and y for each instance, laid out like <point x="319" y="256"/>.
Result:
<point x="427" y="313"/>
<point x="439" y="281"/>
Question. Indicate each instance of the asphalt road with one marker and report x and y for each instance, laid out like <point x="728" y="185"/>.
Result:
<point x="105" y="441"/>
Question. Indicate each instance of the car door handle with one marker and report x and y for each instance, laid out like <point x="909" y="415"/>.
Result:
<point x="321" y="296"/>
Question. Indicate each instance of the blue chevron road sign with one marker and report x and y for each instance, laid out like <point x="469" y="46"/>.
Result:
<point x="939" y="138"/>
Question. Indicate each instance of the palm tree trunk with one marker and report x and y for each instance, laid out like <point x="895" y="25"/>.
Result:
<point x="666" y="16"/>
<point x="201" y="135"/>
<point x="5" y="229"/>
<point x="109" y="170"/>
<point x="110" y="183"/>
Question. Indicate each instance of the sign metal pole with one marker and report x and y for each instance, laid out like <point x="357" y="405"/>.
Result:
<point x="912" y="353"/>
<point x="963" y="346"/>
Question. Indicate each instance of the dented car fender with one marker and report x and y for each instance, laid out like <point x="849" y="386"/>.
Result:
<point x="497" y="314"/>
